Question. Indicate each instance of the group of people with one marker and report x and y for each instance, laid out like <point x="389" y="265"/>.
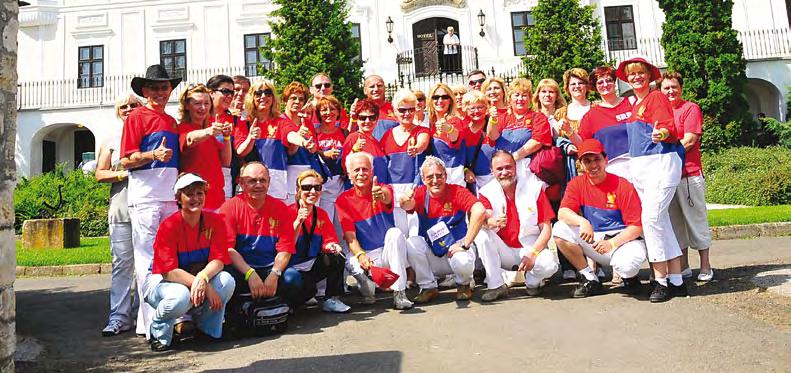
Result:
<point x="261" y="192"/>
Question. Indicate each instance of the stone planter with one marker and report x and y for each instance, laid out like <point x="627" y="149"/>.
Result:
<point x="51" y="233"/>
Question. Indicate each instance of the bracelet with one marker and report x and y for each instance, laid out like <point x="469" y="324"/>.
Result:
<point x="120" y="176"/>
<point x="355" y="149"/>
<point x="203" y="276"/>
<point x="361" y="252"/>
<point x="536" y="252"/>
<point x="612" y="243"/>
<point x="226" y="138"/>
<point x="249" y="273"/>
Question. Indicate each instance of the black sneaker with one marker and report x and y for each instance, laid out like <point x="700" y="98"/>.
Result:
<point x="587" y="288"/>
<point x="631" y="285"/>
<point x="678" y="291"/>
<point x="157" y="346"/>
<point x="659" y="294"/>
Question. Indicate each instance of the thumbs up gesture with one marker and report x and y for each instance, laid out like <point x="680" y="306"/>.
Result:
<point x="502" y="219"/>
<point x="407" y="200"/>
<point x="411" y="148"/>
<point x="216" y="127"/>
<point x="359" y="145"/>
<point x="255" y="131"/>
<point x="302" y="213"/>
<point x="442" y="126"/>
<point x="163" y="153"/>
<point x="310" y="145"/>
<point x="377" y="191"/>
<point x="492" y="111"/>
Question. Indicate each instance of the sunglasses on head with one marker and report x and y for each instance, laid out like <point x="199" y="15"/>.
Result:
<point x="366" y="118"/>
<point x="322" y="85"/>
<point x="309" y="187"/>
<point x="225" y="91"/>
<point x="404" y="110"/>
<point x="129" y="106"/>
<point x="264" y="92"/>
<point x="479" y="81"/>
<point x="443" y="97"/>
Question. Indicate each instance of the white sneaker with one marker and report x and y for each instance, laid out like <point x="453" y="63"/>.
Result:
<point x="115" y="327"/>
<point x="335" y="305"/>
<point x="448" y="282"/>
<point x="312" y="302"/>
<point x="703" y="276"/>
<point x="687" y="273"/>
<point x="400" y="300"/>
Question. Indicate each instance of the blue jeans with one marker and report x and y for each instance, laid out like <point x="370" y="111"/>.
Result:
<point x="171" y="300"/>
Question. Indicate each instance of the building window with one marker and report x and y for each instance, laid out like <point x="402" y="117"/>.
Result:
<point x="520" y="21"/>
<point x="173" y="57"/>
<point x="91" y="66"/>
<point x="356" y="36"/>
<point x="619" y="21"/>
<point x="252" y="53"/>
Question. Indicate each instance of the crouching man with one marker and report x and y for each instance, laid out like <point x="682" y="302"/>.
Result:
<point x="443" y="247"/>
<point x="517" y="229"/>
<point x="599" y="217"/>
<point x="261" y="240"/>
<point x="187" y="275"/>
<point x="366" y="215"/>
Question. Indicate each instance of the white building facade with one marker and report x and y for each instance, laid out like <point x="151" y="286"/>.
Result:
<point x="77" y="56"/>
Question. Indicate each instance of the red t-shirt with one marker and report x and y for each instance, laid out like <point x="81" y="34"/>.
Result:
<point x="333" y="140"/>
<point x="258" y="235"/>
<point x="369" y="219"/>
<point x="611" y="205"/>
<point x="455" y="122"/>
<point x="656" y="109"/>
<point x="455" y="199"/>
<point x="689" y="119"/>
<point x="510" y="233"/>
<point x="204" y="159"/>
<point x="537" y="123"/>
<point x="179" y="245"/>
<point x="325" y="231"/>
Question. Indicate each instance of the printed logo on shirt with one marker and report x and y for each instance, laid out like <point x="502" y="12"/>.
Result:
<point x="319" y="224"/>
<point x="623" y="116"/>
<point x="640" y="112"/>
<point x="273" y="223"/>
<point x="610" y="200"/>
<point x="528" y="121"/>
<point x="207" y="233"/>
<point x="447" y="207"/>
<point x="271" y="131"/>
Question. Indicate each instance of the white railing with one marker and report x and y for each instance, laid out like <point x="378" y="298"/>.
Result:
<point x="756" y="45"/>
<point x="65" y="93"/>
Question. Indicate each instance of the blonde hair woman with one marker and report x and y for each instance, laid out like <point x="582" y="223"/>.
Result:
<point x="548" y="99"/>
<point x="446" y="127"/>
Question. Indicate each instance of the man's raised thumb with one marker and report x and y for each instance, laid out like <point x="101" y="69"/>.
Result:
<point x="164" y="142"/>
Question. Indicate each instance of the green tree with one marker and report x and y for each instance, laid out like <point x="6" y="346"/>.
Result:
<point x="700" y="42"/>
<point x="565" y="35"/>
<point x="311" y="36"/>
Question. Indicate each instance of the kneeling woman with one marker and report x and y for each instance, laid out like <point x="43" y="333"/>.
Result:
<point x="189" y="254"/>
<point x="318" y="254"/>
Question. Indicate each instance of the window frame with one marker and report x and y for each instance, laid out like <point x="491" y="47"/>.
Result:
<point x="359" y="38"/>
<point x="528" y="21"/>
<point x="95" y="79"/>
<point x="623" y="44"/>
<point x="259" y="59"/>
<point x="174" y="72"/>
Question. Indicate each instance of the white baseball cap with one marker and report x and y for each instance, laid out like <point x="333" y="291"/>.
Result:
<point x="186" y="180"/>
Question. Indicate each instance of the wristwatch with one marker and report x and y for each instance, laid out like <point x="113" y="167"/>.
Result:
<point x="277" y="272"/>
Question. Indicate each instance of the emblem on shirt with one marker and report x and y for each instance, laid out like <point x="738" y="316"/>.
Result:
<point x="319" y="224"/>
<point x="640" y="112"/>
<point x="623" y="116"/>
<point x="207" y="233"/>
<point x="271" y="131"/>
<point x="447" y="207"/>
<point x="610" y="200"/>
<point x="273" y="223"/>
<point x="528" y="121"/>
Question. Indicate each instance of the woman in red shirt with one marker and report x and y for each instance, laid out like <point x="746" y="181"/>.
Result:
<point x="331" y="137"/>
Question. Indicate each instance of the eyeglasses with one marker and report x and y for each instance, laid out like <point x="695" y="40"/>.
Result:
<point x="404" y="110"/>
<point x="476" y="82"/>
<point x="442" y="97"/>
<point x="251" y="181"/>
<point x="225" y="91"/>
<point x="604" y="82"/>
<point x="434" y="177"/>
<point x="129" y="106"/>
<point x="366" y="118"/>
<point x="309" y="187"/>
<point x="322" y="85"/>
<point x="264" y="92"/>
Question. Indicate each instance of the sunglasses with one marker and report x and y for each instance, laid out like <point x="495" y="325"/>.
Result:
<point x="309" y="187"/>
<point x="476" y="82"/>
<point x="322" y="85"/>
<point x="404" y="110"/>
<point x="129" y="106"/>
<point x="366" y="118"/>
<point x="442" y="97"/>
<point x="264" y="92"/>
<point x="225" y="91"/>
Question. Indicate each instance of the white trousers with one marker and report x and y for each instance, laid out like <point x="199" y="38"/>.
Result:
<point x="620" y="167"/>
<point x="228" y="187"/>
<point x="146" y="218"/>
<point x="660" y="241"/>
<point x="625" y="260"/>
<point x="497" y="256"/>
<point x="428" y="266"/>
<point x="122" y="302"/>
<point x="392" y="256"/>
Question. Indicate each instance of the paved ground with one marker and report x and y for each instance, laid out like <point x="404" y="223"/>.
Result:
<point x="727" y="325"/>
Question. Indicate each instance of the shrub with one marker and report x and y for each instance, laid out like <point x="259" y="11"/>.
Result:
<point x="749" y="176"/>
<point x="83" y="198"/>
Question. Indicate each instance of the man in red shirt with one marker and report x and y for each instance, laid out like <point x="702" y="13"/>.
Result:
<point x="599" y="217"/>
<point x="443" y="245"/>
<point x="187" y="271"/>
<point x="517" y="229"/>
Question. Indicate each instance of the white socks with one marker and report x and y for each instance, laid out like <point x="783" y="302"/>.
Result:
<point x="587" y="272"/>
<point x="675" y="279"/>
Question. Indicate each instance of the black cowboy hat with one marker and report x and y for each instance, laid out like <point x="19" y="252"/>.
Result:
<point x="154" y="73"/>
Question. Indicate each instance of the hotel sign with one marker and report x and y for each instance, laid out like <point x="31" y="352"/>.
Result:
<point x="410" y="5"/>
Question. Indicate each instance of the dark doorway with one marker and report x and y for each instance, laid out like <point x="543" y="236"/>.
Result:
<point x="47" y="156"/>
<point x="83" y="143"/>
<point x="429" y="49"/>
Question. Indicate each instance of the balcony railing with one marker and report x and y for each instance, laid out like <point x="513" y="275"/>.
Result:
<point x="66" y="93"/>
<point x="757" y="45"/>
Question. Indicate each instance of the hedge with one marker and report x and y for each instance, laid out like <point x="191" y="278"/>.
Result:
<point x="749" y="176"/>
<point x="83" y="198"/>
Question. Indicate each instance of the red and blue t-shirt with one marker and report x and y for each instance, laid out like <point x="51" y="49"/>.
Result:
<point x="514" y="133"/>
<point x="451" y="208"/>
<point x="609" y="206"/>
<point x="205" y="160"/>
<point x="372" y="147"/>
<point x="608" y="125"/>
<point x="369" y="219"/>
<point x="180" y="245"/>
<point x="319" y="237"/>
<point x="403" y="168"/>
<point x="258" y="235"/>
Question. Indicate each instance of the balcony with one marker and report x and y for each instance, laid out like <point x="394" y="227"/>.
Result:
<point x="66" y="93"/>
<point x="757" y="45"/>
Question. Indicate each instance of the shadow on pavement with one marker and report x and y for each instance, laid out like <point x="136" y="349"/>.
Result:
<point x="380" y="361"/>
<point x="737" y="279"/>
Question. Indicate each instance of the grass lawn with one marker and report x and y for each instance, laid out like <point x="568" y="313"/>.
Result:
<point x="91" y="250"/>
<point x="750" y="215"/>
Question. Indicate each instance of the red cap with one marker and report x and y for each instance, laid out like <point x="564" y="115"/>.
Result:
<point x="653" y="70"/>
<point x="383" y="277"/>
<point x="590" y="146"/>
